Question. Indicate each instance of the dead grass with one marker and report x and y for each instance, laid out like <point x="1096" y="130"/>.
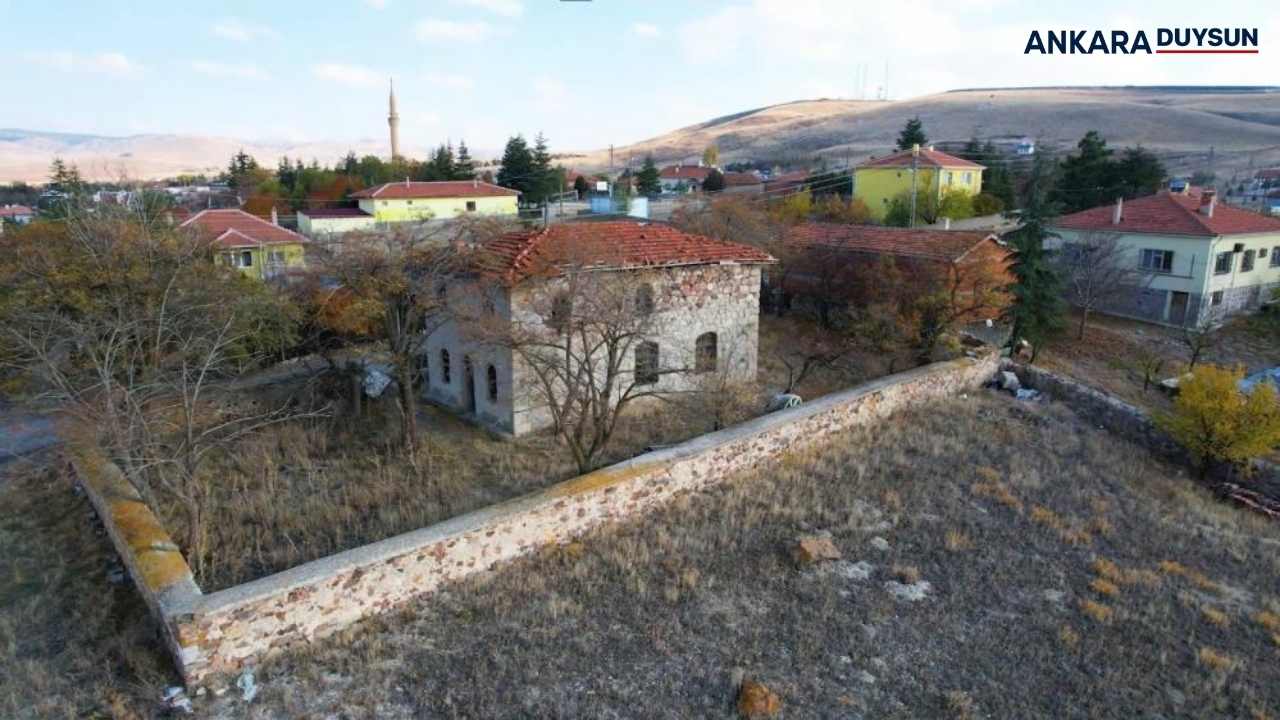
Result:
<point x="1215" y="660"/>
<point x="656" y="614"/>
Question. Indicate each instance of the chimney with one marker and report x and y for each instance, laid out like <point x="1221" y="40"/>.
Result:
<point x="1118" y="214"/>
<point x="915" y="150"/>
<point x="930" y="148"/>
<point x="406" y="181"/>
<point x="475" y="183"/>
<point x="1208" y="201"/>
<point x="275" y="219"/>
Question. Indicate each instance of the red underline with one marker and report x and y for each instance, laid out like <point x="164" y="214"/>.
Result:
<point x="1207" y="52"/>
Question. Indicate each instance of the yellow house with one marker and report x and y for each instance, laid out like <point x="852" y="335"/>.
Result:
<point x="444" y="200"/>
<point x="258" y="248"/>
<point x="878" y="181"/>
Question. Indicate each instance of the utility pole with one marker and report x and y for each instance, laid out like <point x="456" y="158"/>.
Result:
<point x="915" y="162"/>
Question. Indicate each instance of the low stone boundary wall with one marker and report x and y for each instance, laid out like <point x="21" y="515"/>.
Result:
<point x="224" y="631"/>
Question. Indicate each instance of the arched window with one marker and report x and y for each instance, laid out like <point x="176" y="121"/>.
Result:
<point x="647" y="363"/>
<point x="445" y="377"/>
<point x="492" y="374"/>
<point x="644" y="300"/>
<point x="705" y="353"/>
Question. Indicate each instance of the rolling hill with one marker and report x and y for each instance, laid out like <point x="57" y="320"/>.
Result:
<point x="1225" y="129"/>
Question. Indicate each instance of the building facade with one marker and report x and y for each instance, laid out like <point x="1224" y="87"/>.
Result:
<point x="444" y="200"/>
<point x="1205" y="260"/>
<point x="682" y="178"/>
<point x="256" y="247"/>
<point x="699" y="298"/>
<point x="326" y="222"/>
<point x="932" y="174"/>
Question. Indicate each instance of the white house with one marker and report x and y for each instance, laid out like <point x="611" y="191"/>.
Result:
<point x="699" y="298"/>
<point x="1206" y="259"/>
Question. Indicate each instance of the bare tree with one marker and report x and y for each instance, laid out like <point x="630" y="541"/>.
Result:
<point x="1096" y="270"/>
<point x="1201" y="338"/>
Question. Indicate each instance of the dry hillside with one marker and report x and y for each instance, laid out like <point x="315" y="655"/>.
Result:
<point x="1241" y="125"/>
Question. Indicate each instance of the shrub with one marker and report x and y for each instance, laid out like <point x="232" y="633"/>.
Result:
<point x="987" y="204"/>
<point x="1217" y="422"/>
<point x="956" y="204"/>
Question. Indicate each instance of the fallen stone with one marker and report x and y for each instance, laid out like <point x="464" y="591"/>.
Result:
<point x="879" y="543"/>
<point x="1009" y="381"/>
<point x="846" y="570"/>
<point x="866" y="677"/>
<point x="756" y="700"/>
<point x="814" y="549"/>
<point x="911" y="592"/>
<point x="1026" y="394"/>
<point x="1054" y="596"/>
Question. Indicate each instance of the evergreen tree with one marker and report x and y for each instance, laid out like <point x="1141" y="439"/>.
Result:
<point x="517" y="167"/>
<point x="1036" y="312"/>
<point x="581" y="186"/>
<point x="1088" y="178"/>
<point x="912" y="134"/>
<point x="464" y="168"/>
<point x="714" y="181"/>
<point x="1140" y="172"/>
<point x="998" y="179"/>
<point x="647" y="181"/>
<point x="350" y="164"/>
<point x="544" y="178"/>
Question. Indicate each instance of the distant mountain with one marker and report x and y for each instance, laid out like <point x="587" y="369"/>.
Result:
<point x="1226" y="129"/>
<point x="26" y="154"/>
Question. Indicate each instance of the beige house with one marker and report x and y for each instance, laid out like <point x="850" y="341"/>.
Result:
<point x="1206" y="259"/>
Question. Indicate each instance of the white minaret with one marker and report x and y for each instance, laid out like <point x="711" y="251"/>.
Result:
<point x="393" y="119"/>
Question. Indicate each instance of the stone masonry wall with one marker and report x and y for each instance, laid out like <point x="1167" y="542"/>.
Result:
<point x="222" y="632"/>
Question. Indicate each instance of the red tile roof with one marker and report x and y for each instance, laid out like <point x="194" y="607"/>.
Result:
<point x="616" y="244"/>
<point x="741" y="178"/>
<point x="338" y="212"/>
<point x="237" y="228"/>
<point x="685" y="172"/>
<point x="16" y="211"/>
<point x="928" y="158"/>
<point x="1170" y="214"/>
<point x="438" y="189"/>
<point x="943" y="245"/>
<point x="786" y="181"/>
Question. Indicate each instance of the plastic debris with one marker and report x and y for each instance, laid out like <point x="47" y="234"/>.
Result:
<point x="376" y="379"/>
<point x="1026" y="394"/>
<point x="783" y="401"/>
<point x="248" y="688"/>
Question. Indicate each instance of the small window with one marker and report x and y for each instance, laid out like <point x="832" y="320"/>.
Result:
<point x="647" y="363"/>
<point x="471" y="206"/>
<point x="246" y="258"/>
<point x="968" y="178"/>
<point x="410" y="202"/>
<point x="383" y="202"/>
<point x="1160" y="261"/>
<point x="445" y="376"/>
<point x="949" y="177"/>
<point x="1275" y="256"/>
<point x="561" y="309"/>
<point x="1262" y="252"/>
<point x="644" y="300"/>
<point x="442" y="294"/>
<point x="705" y="353"/>
<point x="1246" y="262"/>
<point x="1222" y="263"/>
<point x="492" y="377"/>
<point x="1217" y="297"/>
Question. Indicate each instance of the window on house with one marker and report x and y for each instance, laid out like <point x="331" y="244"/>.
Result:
<point x="276" y="257"/>
<point x="1246" y="263"/>
<point x="471" y="206"/>
<point x="1216" y="297"/>
<point x="492" y="377"/>
<point x="1275" y="256"/>
<point x="647" y="363"/>
<point x="410" y="202"/>
<point x="246" y="258"/>
<point x="705" y="353"/>
<point x="1222" y="263"/>
<point x="949" y="174"/>
<point x="968" y="178"/>
<point x="442" y="294"/>
<point x="445" y="376"/>
<point x="1160" y="261"/>
<point x="644" y="300"/>
<point x="561" y="309"/>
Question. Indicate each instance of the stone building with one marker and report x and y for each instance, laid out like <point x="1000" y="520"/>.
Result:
<point x="1206" y="260"/>
<point x="677" y="309"/>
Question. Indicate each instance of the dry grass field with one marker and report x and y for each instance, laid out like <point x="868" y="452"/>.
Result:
<point x="1055" y="571"/>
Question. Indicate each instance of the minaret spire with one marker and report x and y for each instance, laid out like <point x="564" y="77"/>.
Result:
<point x="393" y="120"/>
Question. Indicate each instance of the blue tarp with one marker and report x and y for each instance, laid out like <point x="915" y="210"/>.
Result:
<point x="1272" y="374"/>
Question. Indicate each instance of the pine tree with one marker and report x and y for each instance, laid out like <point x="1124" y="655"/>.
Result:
<point x="544" y="183"/>
<point x="647" y="181"/>
<point x="912" y="134"/>
<point x="1036" y="312"/>
<point x="517" y="167"/>
<point x="1088" y="178"/>
<point x="998" y="179"/>
<point x="464" y="168"/>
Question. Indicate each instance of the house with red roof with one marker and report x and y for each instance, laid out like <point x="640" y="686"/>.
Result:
<point x="831" y="265"/>
<point x="682" y="178"/>
<point x="1205" y="260"/>
<point x="743" y="183"/>
<point x="16" y="214"/>
<point x="927" y="173"/>
<point x="695" y="301"/>
<point x="412" y="201"/>
<point x="257" y="247"/>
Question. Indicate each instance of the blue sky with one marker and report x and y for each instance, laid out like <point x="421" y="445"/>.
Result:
<point x="586" y="73"/>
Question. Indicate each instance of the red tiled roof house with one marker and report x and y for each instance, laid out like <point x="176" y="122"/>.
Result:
<point x="682" y="178"/>
<point x="259" y="248"/>
<point x="699" y="299"/>
<point x="1201" y="260"/>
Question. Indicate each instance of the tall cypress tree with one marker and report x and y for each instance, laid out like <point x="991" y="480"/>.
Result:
<point x="517" y="168"/>
<point x="464" y="168"/>
<point x="544" y="179"/>
<point x="1036" y="312"/>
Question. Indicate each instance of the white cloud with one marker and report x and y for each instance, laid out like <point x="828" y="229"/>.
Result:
<point x="644" y="29"/>
<point x="240" y="31"/>
<point x="376" y="4"/>
<point x="110" y="63"/>
<point x="505" y="8"/>
<point x="459" y="30"/>
<point x="245" y="71"/>
<point x="451" y="81"/>
<point x="350" y="75"/>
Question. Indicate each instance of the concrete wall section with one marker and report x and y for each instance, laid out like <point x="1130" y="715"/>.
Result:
<point x="229" y="629"/>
